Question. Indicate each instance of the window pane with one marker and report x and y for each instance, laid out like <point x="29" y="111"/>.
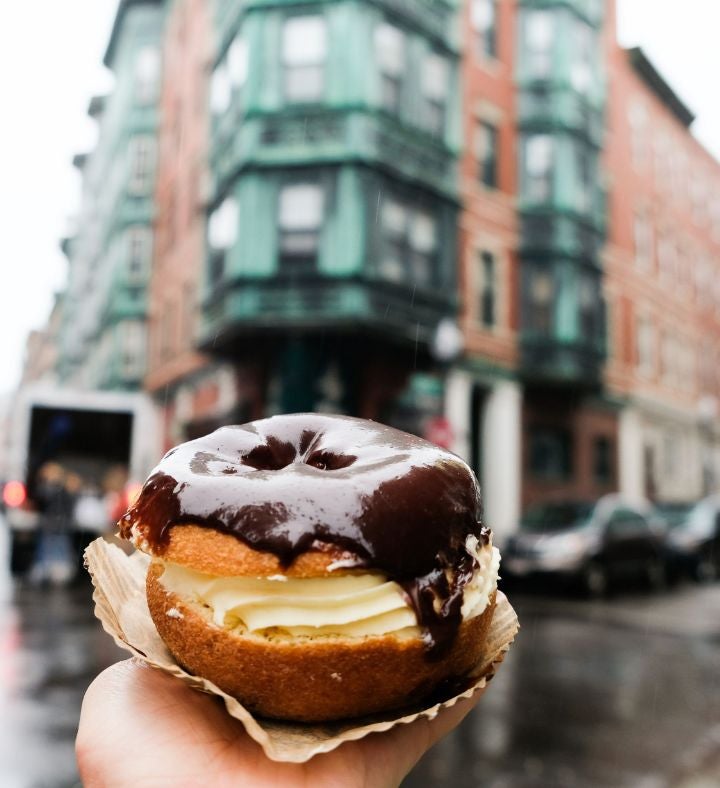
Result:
<point x="643" y="232"/>
<point x="304" y="40"/>
<point x="394" y="217"/>
<point x="487" y="289"/>
<point x="301" y="206"/>
<point x="390" y="49"/>
<point x="602" y="460"/>
<point x="220" y="89"/>
<point x="550" y="453"/>
<point x="483" y="18"/>
<point x="435" y="77"/>
<point x="539" y="35"/>
<point x="304" y="83"/>
<point x="147" y="75"/>
<point x="237" y="62"/>
<point x="487" y="154"/>
<point x="423" y="236"/>
<point x="539" y="154"/>
<point x="223" y="225"/>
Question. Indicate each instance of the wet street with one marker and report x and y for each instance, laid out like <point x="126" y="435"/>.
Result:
<point x="624" y="692"/>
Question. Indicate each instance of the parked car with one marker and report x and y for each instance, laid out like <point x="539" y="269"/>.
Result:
<point x="694" y="543"/>
<point x="590" y="544"/>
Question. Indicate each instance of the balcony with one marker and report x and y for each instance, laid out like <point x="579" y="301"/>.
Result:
<point x="317" y="136"/>
<point x="346" y="306"/>
<point x="558" y="234"/>
<point x="544" y="108"/>
<point x="549" y="361"/>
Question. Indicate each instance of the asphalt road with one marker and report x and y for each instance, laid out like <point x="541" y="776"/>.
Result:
<point x="624" y="692"/>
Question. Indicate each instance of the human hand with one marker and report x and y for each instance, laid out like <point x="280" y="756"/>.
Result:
<point x="143" y="728"/>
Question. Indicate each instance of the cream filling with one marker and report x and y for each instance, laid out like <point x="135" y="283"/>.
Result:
<point x="354" y="605"/>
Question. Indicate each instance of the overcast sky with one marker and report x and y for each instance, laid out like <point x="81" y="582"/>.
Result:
<point x="50" y="66"/>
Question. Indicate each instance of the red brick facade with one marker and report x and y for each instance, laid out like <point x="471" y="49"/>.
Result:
<point x="175" y="286"/>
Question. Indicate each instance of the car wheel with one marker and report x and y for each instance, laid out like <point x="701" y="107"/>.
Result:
<point x="594" y="580"/>
<point x="657" y="575"/>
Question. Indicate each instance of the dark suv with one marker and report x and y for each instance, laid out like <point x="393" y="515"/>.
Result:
<point x="591" y="544"/>
<point x="694" y="543"/>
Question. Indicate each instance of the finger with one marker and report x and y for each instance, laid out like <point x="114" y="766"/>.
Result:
<point x="136" y="721"/>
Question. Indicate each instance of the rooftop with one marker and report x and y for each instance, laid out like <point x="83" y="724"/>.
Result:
<point x="655" y="81"/>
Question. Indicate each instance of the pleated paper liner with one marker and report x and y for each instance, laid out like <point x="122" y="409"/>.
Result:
<point x="121" y="606"/>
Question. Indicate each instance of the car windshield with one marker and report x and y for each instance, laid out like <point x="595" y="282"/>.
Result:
<point x="556" y="516"/>
<point x="701" y="518"/>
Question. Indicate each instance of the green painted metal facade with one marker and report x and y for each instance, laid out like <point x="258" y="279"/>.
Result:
<point x="104" y="335"/>
<point x="347" y="110"/>
<point x="562" y="96"/>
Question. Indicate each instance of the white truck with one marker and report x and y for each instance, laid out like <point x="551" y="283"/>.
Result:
<point x="89" y="434"/>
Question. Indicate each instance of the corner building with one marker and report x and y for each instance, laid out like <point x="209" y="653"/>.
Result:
<point x="331" y="235"/>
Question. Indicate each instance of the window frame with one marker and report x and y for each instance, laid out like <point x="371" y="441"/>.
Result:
<point x="300" y="261"/>
<point x="487" y="152"/>
<point x="488" y="319"/>
<point x="405" y="251"/>
<point x="485" y="35"/>
<point x="142" y="167"/>
<point x="292" y="66"/>
<point x="395" y="82"/>
<point x="566" y="466"/>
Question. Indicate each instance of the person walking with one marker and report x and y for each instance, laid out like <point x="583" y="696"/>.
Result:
<point x="54" y="555"/>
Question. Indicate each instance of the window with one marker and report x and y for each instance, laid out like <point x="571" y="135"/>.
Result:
<point x="644" y="241"/>
<point x="410" y="243"/>
<point x="434" y="86"/>
<point x="584" y="178"/>
<point x="147" y="75"/>
<point x="483" y="18"/>
<point x="487" y="289"/>
<point x="603" y="460"/>
<point x="304" y="48"/>
<point x="667" y="257"/>
<point x="167" y="331"/>
<point x="132" y="339"/>
<point x="540" y="292"/>
<point x="301" y="208"/>
<point x="220" y="89"/>
<point x="539" y="36"/>
<point x="589" y="308"/>
<point x="222" y="235"/>
<point x="139" y="249"/>
<point x="639" y="136"/>
<point x="142" y="165"/>
<point x="538" y="167"/>
<point x="487" y="154"/>
<point x="550" y="453"/>
<point x="390" y="57"/>
<point x="645" y="342"/>
<point x="581" y="71"/>
<point x="237" y="62"/>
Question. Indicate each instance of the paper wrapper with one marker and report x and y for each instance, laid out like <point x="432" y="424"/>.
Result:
<point x="121" y="606"/>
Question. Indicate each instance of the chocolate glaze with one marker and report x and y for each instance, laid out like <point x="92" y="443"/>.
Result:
<point x="291" y="483"/>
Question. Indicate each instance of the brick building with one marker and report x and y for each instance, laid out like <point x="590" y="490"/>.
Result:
<point x="663" y="286"/>
<point x="194" y="393"/>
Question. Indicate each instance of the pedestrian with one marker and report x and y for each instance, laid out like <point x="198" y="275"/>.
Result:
<point x="54" y="554"/>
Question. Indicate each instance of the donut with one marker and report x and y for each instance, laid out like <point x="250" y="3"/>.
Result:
<point x="317" y="567"/>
